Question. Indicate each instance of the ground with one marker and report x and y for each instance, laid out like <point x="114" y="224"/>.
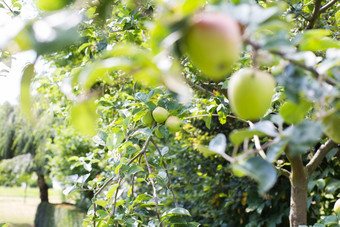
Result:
<point x="18" y="210"/>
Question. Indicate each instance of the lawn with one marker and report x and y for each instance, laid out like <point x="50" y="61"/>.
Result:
<point x="18" y="210"/>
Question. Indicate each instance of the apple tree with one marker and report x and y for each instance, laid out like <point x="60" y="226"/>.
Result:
<point x="139" y="74"/>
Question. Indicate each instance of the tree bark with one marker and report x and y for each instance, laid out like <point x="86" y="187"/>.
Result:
<point x="299" y="192"/>
<point x="43" y="188"/>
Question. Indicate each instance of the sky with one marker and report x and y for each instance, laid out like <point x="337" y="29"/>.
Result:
<point x="10" y="83"/>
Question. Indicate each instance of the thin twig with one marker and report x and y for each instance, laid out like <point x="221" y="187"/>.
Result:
<point x="198" y="87"/>
<point x="315" y="14"/>
<point x="94" y="214"/>
<point x="115" y="199"/>
<point x="284" y="172"/>
<point x="257" y="142"/>
<point x="203" y="115"/>
<point x="327" y="6"/>
<point x="167" y="172"/>
<point x="8" y="6"/>
<point x="294" y="62"/>
<point x="154" y="190"/>
<point x="132" y="183"/>
<point x="131" y="160"/>
<point x="254" y="151"/>
<point x="319" y="156"/>
<point x="214" y="115"/>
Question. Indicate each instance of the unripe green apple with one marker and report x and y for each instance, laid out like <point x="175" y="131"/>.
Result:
<point x="337" y="206"/>
<point x="49" y="5"/>
<point x="147" y="119"/>
<point x="213" y="43"/>
<point x="160" y="114"/>
<point x="250" y="92"/>
<point x="173" y="123"/>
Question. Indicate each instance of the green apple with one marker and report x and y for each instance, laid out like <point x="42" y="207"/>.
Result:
<point x="337" y="206"/>
<point x="160" y="114"/>
<point x="49" y="5"/>
<point x="173" y="123"/>
<point x="213" y="43"/>
<point x="147" y="119"/>
<point x="250" y="92"/>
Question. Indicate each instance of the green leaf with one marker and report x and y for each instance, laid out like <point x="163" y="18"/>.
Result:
<point x="218" y="144"/>
<point x="274" y="151"/>
<point x="114" y="140"/>
<point x="84" y="117"/>
<point x="294" y="113"/>
<point x="261" y="128"/>
<point x="134" y="169"/>
<point x="4" y="225"/>
<point x="204" y="150"/>
<point x="102" y="213"/>
<point x="102" y="203"/>
<point x="317" y="40"/>
<point x="70" y="189"/>
<point x="164" y="131"/>
<point x="330" y="220"/>
<point x="111" y="191"/>
<point x="303" y="136"/>
<point x="258" y="169"/>
<point x="332" y="186"/>
<point x="330" y="125"/>
<point x="25" y="95"/>
<point x="142" y="97"/>
<point x="337" y="17"/>
<point x="51" y="33"/>
<point x="175" y="212"/>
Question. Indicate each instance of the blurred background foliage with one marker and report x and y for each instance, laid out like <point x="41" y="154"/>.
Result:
<point x="95" y="80"/>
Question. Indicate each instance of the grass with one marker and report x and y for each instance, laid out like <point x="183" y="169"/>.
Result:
<point x="30" y="192"/>
<point x="17" y="210"/>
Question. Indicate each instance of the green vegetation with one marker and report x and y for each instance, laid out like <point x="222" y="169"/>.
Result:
<point x="179" y="113"/>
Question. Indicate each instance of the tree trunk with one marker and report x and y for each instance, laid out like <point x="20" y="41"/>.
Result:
<point x="43" y="188"/>
<point x="299" y="192"/>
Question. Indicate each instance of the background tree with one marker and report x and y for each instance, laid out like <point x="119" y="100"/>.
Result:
<point x="114" y="71"/>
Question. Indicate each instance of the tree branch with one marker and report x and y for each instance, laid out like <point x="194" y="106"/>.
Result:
<point x="315" y="14"/>
<point x="294" y="62"/>
<point x="167" y="173"/>
<point x="115" y="200"/>
<point x="198" y="87"/>
<point x="131" y="160"/>
<point x="319" y="156"/>
<point x="328" y="5"/>
<point x="8" y="6"/>
<point x="154" y="190"/>
<point x="284" y="172"/>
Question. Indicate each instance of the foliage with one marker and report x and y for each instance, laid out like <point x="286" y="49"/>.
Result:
<point x="127" y="59"/>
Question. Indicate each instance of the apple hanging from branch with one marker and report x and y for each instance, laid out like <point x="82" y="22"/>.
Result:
<point x="213" y="42"/>
<point x="250" y="92"/>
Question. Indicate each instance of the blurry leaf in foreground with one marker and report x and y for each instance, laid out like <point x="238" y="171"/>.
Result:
<point x="52" y="33"/>
<point x="49" y="5"/>
<point x="258" y="169"/>
<point x="331" y="126"/>
<point x="25" y="95"/>
<point x="218" y="144"/>
<point x="84" y="117"/>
